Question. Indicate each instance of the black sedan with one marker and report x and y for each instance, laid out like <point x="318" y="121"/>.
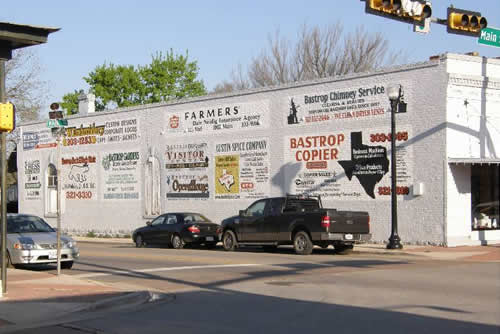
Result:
<point x="178" y="229"/>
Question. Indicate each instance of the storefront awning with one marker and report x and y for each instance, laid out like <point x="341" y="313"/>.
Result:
<point x="474" y="161"/>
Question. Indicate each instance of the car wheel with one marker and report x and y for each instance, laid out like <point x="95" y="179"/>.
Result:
<point x="138" y="241"/>
<point x="343" y="249"/>
<point x="302" y="243"/>
<point x="66" y="265"/>
<point x="177" y="242"/>
<point x="229" y="241"/>
<point x="210" y="245"/>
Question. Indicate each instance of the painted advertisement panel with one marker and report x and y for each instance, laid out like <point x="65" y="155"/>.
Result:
<point x="121" y="175"/>
<point x="122" y="130"/>
<point x="38" y="139"/>
<point x="219" y="118"/>
<point x="339" y="105"/>
<point x="187" y="171"/>
<point x="79" y="176"/>
<point x="32" y="179"/>
<point x="242" y="169"/>
<point x="349" y="164"/>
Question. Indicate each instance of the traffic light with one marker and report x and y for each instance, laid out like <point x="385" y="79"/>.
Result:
<point x="7" y="117"/>
<point x="465" y="22"/>
<point x="409" y="11"/>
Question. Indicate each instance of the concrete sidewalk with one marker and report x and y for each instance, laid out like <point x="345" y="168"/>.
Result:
<point x="37" y="297"/>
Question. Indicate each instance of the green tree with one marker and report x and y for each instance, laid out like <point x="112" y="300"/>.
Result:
<point x="167" y="77"/>
<point x="70" y="102"/>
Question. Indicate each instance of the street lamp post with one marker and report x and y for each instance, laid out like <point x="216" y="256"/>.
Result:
<point x="12" y="36"/>
<point x="394" y="93"/>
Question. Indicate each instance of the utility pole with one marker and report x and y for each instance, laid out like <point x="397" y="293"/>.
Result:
<point x="12" y="37"/>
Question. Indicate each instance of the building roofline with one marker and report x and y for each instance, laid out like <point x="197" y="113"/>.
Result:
<point x="252" y="91"/>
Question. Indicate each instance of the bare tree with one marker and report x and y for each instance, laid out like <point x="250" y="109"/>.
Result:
<point x="25" y="88"/>
<point x="317" y="53"/>
<point x="238" y="82"/>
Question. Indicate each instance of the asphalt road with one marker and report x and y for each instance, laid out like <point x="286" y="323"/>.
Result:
<point x="253" y="291"/>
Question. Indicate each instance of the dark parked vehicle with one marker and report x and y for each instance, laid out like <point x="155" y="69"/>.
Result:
<point x="176" y="230"/>
<point x="295" y="220"/>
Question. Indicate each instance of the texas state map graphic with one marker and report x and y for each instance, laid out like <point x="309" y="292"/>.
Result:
<point x="368" y="163"/>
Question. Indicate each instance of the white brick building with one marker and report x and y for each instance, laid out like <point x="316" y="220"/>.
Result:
<point x="217" y="154"/>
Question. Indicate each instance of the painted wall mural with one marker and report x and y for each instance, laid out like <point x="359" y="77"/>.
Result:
<point x="115" y="131"/>
<point x="242" y="169"/>
<point x="33" y="179"/>
<point x="187" y="171"/>
<point x="344" y="104"/>
<point x="37" y="139"/>
<point x="349" y="164"/>
<point x="121" y="175"/>
<point x="219" y="118"/>
<point x="79" y="176"/>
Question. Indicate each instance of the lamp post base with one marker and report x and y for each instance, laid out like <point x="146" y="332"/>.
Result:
<point x="394" y="243"/>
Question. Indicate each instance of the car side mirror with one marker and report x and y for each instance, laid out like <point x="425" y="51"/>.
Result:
<point x="148" y="223"/>
<point x="243" y="213"/>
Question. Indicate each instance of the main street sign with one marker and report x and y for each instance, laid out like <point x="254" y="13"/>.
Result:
<point x="489" y="36"/>
<point x="56" y="123"/>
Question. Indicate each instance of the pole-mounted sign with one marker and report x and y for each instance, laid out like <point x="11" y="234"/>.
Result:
<point x="490" y="36"/>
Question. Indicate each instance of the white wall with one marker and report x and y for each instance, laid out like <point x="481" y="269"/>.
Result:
<point x="473" y="132"/>
<point x="458" y="205"/>
<point x="420" y="218"/>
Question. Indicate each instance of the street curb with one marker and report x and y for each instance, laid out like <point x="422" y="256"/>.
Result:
<point x="126" y="302"/>
<point x="385" y="252"/>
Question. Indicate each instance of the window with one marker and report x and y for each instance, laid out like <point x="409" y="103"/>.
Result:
<point x="27" y="224"/>
<point x="484" y="193"/>
<point x="158" y="221"/>
<point x="52" y="176"/>
<point x="257" y="209"/>
<point x="276" y="205"/>
<point x="193" y="217"/>
<point x="51" y="190"/>
<point x="171" y="219"/>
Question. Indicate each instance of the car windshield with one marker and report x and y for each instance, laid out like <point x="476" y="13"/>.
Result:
<point x="27" y="224"/>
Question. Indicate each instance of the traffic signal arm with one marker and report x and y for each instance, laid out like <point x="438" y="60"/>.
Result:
<point x="409" y="11"/>
<point x="465" y="22"/>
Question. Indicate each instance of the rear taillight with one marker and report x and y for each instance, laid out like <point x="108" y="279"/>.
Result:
<point x="193" y="229"/>
<point x="325" y="222"/>
<point x="219" y="230"/>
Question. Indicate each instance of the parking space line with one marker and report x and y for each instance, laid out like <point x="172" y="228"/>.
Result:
<point x="151" y="270"/>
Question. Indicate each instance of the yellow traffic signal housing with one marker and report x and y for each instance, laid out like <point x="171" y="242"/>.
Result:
<point x="409" y="11"/>
<point x="465" y="22"/>
<point x="7" y="117"/>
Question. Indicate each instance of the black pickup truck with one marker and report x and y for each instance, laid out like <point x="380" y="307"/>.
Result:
<point x="295" y="220"/>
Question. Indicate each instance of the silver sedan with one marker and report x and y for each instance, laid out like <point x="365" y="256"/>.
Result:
<point x="30" y="240"/>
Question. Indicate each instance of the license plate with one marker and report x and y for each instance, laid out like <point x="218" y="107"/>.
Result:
<point x="348" y="236"/>
<point x="209" y="238"/>
<point x="52" y="255"/>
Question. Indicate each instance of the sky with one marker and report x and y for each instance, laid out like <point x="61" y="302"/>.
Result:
<point x="218" y="34"/>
